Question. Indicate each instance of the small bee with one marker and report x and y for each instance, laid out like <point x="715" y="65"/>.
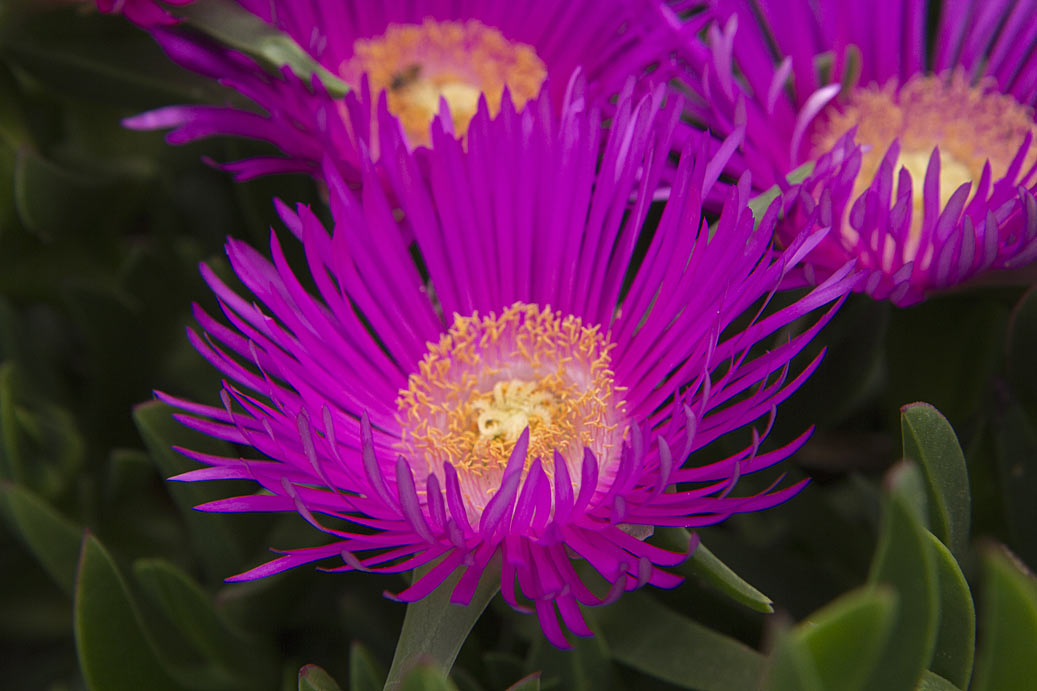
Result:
<point x="405" y="77"/>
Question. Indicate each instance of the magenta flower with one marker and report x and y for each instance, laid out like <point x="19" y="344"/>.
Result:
<point x="423" y="56"/>
<point x="146" y="13"/>
<point x="506" y="397"/>
<point x="853" y="90"/>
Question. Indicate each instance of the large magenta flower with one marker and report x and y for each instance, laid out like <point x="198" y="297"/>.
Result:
<point x="925" y="162"/>
<point x="423" y="56"/>
<point x="520" y="383"/>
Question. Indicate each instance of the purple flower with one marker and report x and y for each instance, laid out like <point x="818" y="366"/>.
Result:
<point x="531" y="388"/>
<point x="145" y="13"/>
<point x="925" y="164"/>
<point x="423" y="56"/>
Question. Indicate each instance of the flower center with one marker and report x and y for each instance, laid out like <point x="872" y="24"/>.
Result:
<point x="419" y="64"/>
<point x="970" y="125"/>
<point x="489" y="378"/>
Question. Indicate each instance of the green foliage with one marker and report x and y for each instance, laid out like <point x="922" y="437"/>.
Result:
<point x="929" y="440"/>
<point x="647" y="636"/>
<point x="52" y="539"/>
<point x="314" y="678"/>
<point x="904" y="563"/>
<point x="115" y="650"/>
<point x="705" y="565"/>
<point x="836" y="648"/>
<point x="1006" y="659"/>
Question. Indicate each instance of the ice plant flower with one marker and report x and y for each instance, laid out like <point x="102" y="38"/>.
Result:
<point x="423" y="56"/>
<point x="143" y="12"/>
<point x="925" y="163"/>
<point x="516" y="386"/>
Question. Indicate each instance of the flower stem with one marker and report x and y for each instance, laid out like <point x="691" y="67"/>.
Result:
<point x="434" y="629"/>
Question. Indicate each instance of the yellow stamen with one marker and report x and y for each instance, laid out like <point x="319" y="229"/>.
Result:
<point x="489" y="378"/>
<point x="970" y="124"/>
<point x="419" y="64"/>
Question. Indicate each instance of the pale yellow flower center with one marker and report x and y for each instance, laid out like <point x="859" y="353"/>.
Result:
<point x="970" y="124"/>
<point x="418" y="64"/>
<point x="490" y="377"/>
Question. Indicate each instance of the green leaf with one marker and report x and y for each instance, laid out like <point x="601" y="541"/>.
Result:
<point x="929" y="439"/>
<point x="651" y="638"/>
<point x="1006" y="657"/>
<point x="588" y="666"/>
<point x="903" y="561"/>
<point x="835" y="648"/>
<point x="758" y="204"/>
<point x="424" y="678"/>
<point x="52" y="538"/>
<point x="365" y="674"/>
<point x="791" y="668"/>
<point x="530" y="682"/>
<point x="314" y="678"/>
<point x="1015" y="441"/>
<point x="956" y="636"/>
<point x="86" y="204"/>
<point x="707" y="566"/>
<point x="190" y="610"/>
<point x="115" y="653"/>
<point x="934" y="682"/>
<point x="93" y="58"/>
<point x="220" y="549"/>
<point x="42" y="448"/>
<point x="240" y="29"/>
<point x="434" y="629"/>
<point x="1022" y="344"/>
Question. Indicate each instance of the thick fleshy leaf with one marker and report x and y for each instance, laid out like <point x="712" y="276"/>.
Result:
<point x="1006" y="657"/>
<point x="836" y="648"/>
<point x="191" y="612"/>
<point x="217" y="545"/>
<point x="587" y="666"/>
<point x="758" y="204"/>
<point x="929" y="440"/>
<point x="527" y="683"/>
<point x="314" y="678"/>
<point x="52" y="538"/>
<point x="1022" y="344"/>
<point x="115" y="652"/>
<point x="86" y="200"/>
<point x="645" y="635"/>
<point x="934" y="682"/>
<point x="923" y="365"/>
<point x="904" y="563"/>
<point x="956" y="636"/>
<point x="434" y="629"/>
<point x="40" y="446"/>
<point x="791" y="668"/>
<point x="365" y="674"/>
<point x="1015" y="440"/>
<point x="705" y="565"/>
<point x="93" y="58"/>
<point x="423" y="678"/>
<point x="230" y="24"/>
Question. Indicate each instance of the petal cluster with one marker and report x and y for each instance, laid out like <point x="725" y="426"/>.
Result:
<point x="909" y="211"/>
<point x="542" y="207"/>
<point x="608" y="41"/>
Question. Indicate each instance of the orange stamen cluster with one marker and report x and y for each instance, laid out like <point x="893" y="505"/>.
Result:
<point x="970" y="124"/>
<point x="419" y="64"/>
<point x="490" y="377"/>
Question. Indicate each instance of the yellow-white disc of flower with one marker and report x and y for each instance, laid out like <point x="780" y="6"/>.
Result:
<point x="418" y="64"/>
<point x="970" y="123"/>
<point x="491" y="377"/>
